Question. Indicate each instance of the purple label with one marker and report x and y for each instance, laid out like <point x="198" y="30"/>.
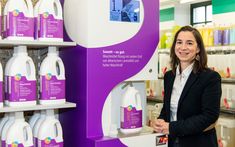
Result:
<point x="21" y="89"/>
<point x="5" y="24"/>
<point x="52" y="88"/>
<point x="0" y="24"/>
<point x="16" y="144"/>
<point x="226" y="37"/>
<point x="131" y="118"/>
<point x="19" y="25"/>
<point x="3" y="143"/>
<point x="35" y="142"/>
<point x="50" y="27"/>
<point x="1" y="93"/>
<point x="35" y="27"/>
<point x="48" y="142"/>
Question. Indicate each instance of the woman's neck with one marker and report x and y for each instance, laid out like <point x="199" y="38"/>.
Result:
<point x="184" y="65"/>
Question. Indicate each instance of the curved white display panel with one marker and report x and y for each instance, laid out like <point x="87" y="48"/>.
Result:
<point x="77" y="21"/>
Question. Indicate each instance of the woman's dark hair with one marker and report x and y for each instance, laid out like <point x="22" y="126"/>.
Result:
<point x="201" y="61"/>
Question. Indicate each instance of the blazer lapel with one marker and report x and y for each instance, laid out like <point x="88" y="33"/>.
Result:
<point x="191" y="79"/>
<point x="168" y="94"/>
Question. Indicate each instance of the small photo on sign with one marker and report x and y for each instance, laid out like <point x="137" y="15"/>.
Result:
<point x="125" y="10"/>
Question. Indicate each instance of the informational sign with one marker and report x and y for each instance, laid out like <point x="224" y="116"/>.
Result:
<point x="125" y="10"/>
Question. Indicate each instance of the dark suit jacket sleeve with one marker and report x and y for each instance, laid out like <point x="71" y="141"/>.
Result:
<point x="210" y="107"/>
<point x="163" y="114"/>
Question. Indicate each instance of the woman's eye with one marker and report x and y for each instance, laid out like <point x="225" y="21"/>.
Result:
<point x="178" y="42"/>
<point x="190" y="43"/>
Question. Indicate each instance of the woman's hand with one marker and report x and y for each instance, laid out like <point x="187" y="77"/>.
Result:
<point x="160" y="126"/>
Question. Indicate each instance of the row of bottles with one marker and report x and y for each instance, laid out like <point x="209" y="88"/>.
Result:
<point x="43" y="129"/>
<point x="44" y="22"/>
<point x="20" y="79"/>
<point x="211" y="35"/>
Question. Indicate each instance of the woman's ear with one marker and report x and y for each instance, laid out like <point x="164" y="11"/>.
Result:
<point x="198" y="50"/>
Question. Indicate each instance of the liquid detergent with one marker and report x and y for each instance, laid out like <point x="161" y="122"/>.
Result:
<point x="226" y="36"/>
<point x="50" y="20"/>
<point x="36" y="127"/>
<point x="218" y="36"/>
<point x="35" y="13"/>
<point x="20" y="133"/>
<point x="6" y="127"/>
<point x="52" y="79"/>
<point x="1" y="83"/>
<point x="22" y="79"/>
<point x="131" y="112"/>
<point x="3" y="122"/>
<point x="232" y="35"/>
<point x="6" y="73"/>
<point x="50" y="132"/>
<point x="34" y="118"/>
<point x="18" y="20"/>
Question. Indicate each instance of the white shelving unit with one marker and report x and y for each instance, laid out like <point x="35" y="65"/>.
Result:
<point x="34" y="44"/>
<point x="36" y="107"/>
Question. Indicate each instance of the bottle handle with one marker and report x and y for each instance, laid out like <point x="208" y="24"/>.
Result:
<point x="57" y="7"/>
<point x="138" y="100"/>
<point x="28" y="134"/>
<point x="58" y="129"/>
<point x="60" y="66"/>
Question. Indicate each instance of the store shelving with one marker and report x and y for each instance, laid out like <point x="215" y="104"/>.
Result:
<point x="155" y="99"/>
<point x="228" y="111"/>
<point x="37" y="107"/>
<point x="228" y="80"/>
<point x="33" y="44"/>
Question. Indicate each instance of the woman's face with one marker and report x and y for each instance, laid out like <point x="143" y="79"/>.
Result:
<point x="186" y="47"/>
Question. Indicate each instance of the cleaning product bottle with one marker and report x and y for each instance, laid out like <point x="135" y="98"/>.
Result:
<point x="52" y="79"/>
<point x="36" y="127"/>
<point x="131" y="111"/>
<point x="1" y="83"/>
<point x="35" y="13"/>
<point x="50" y="21"/>
<point x="22" y="79"/>
<point x="5" y="128"/>
<point x="6" y="75"/>
<point x="3" y="122"/>
<point x="5" y="12"/>
<point x="19" y="22"/>
<point x="50" y="132"/>
<point x="19" y="133"/>
<point x="33" y="119"/>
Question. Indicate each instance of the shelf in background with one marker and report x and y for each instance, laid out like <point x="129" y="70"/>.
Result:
<point x="228" y="111"/>
<point x="37" y="107"/>
<point x="155" y="99"/>
<point x="34" y="43"/>
<point x="228" y="80"/>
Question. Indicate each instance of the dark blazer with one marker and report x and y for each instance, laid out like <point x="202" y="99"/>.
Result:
<point x="198" y="108"/>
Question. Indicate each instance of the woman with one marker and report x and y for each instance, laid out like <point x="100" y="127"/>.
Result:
<point x="192" y="94"/>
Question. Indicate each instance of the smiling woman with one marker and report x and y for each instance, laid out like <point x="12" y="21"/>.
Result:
<point x="191" y="94"/>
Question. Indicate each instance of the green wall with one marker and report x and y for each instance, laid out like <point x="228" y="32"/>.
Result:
<point x="167" y="14"/>
<point x="223" y="6"/>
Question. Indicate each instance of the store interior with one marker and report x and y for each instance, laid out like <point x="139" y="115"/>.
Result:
<point x="213" y="20"/>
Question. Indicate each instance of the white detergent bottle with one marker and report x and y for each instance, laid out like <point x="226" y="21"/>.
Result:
<point x="20" y="133"/>
<point x="36" y="127"/>
<point x="3" y="122"/>
<point x="50" y="132"/>
<point x="52" y="79"/>
<point x="6" y="75"/>
<point x="131" y="112"/>
<point x="6" y="127"/>
<point x="50" y="21"/>
<point x="1" y="20"/>
<point x="19" y="21"/>
<point x="33" y="119"/>
<point x="35" y="13"/>
<point x="5" y="12"/>
<point x="22" y="79"/>
<point x="1" y="84"/>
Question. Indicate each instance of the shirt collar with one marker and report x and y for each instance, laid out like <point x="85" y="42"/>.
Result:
<point x="186" y="71"/>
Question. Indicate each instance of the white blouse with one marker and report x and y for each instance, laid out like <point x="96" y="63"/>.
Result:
<point x="179" y="83"/>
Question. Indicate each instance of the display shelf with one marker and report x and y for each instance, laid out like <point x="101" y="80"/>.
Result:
<point x="33" y="44"/>
<point x="228" y="80"/>
<point x="155" y="99"/>
<point x="228" y="111"/>
<point x="37" y="107"/>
